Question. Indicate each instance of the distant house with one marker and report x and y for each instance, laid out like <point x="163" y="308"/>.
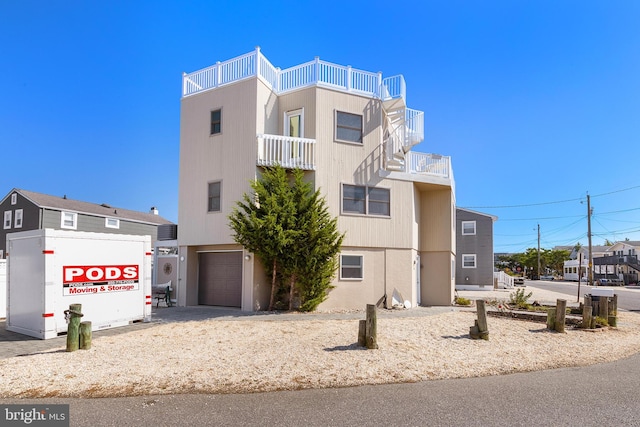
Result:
<point x="620" y="261"/>
<point x="25" y="210"/>
<point x="474" y="249"/>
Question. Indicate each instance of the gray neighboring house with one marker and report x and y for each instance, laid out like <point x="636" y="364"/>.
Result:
<point x="25" y="210"/>
<point x="474" y="250"/>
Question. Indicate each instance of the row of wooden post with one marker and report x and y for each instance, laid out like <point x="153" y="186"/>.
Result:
<point x="604" y="307"/>
<point x="556" y="316"/>
<point x="78" y="333"/>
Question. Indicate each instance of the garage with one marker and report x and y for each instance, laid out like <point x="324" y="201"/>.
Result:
<point x="220" y="278"/>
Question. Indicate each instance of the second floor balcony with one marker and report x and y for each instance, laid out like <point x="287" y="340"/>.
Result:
<point x="286" y="151"/>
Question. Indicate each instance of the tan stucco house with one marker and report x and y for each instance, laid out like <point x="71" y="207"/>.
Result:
<point x="352" y="133"/>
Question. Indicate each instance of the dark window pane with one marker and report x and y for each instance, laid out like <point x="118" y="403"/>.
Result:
<point x="379" y="201"/>
<point x="348" y="127"/>
<point x="216" y="121"/>
<point x="353" y="199"/>
<point x="214" y="197"/>
<point x="351" y="267"/>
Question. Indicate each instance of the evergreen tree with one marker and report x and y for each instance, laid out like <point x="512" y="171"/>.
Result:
<point x="289" y="228"/>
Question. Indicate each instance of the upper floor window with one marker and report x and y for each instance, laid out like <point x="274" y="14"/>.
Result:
<point x="468" y="228"/>
<point x="360" y="199"/>
<point x="294" y="123"/>
<point x="69" y="220"/>
<point x="14" y="198"/>
<point x="112" y="223"/>
<point x="216" y="122"/>
<point x="351" y="267"/>
<point x="213" y="203"/>
<point x="469" y="261"/>
<point x="7" y="220"/>
<point x="18" y="219"/>
<point x="348" y="127"/>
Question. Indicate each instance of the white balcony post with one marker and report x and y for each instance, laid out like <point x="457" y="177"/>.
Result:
<point x="217" y="75"/>
<point x="257" y="61"/>
<point x="379" y="85"/>
<point x="184" y="84"/>
<point x="349" y="72"/>
<point x="316" y="69"/>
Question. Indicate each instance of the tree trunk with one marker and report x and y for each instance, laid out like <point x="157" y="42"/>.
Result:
<point x="292" y="283"/>
<point x="272" y="301"/>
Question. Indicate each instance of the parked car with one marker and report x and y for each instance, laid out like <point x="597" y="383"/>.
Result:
<point x="519" y="280"/>
<point x="603" y="282"/>
<point x="546" y="277"/>
<point x="616" y="282"/>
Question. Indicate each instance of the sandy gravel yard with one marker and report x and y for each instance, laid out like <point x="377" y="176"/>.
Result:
<point x="225" y="356"/>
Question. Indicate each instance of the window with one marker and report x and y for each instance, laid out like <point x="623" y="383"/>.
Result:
<point x="363" y="200"/>
<point x="69" y="220"/>
<point x="468" y="228"/>
<point x="348" y="127"/>
<point x="7" y="220"/>
<point x="14" y="198"/>
<point x="112" y="223"/>
<point x="294" y="123"/>
<point x="469" y="261"/>
<point x="216" y="122"/>
<point x="213" y="204"/>
<point x="18" y="219"/>
<point x="351" y="267"/>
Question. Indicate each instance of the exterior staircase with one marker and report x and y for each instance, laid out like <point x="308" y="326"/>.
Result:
<point x="403" y="127"/>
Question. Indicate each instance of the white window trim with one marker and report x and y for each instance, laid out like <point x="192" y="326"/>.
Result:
<point x="14" y="198"/>
<point x="335" y="128"/>
<point x="6" y="225"/>
<point x="353" y="279"/>
<point x="116" y="225"/>
<point x="293" y="113"/>
<point x="475" y="260"/>
<point x="474" y="228"/>
<point x="75" y="220"/>
<point x="17" y="221"/>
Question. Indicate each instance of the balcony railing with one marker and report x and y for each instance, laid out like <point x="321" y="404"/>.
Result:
<point x="428" y="164"/>
<point x="286" y="151"/>
<point x="315" y="72"/>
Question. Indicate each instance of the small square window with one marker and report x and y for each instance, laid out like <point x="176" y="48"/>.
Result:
<point x="213" y="204"/>
<point x="379" y="201"/>
<point x="468" y="228"/>
<point x="7" y="220"/>
<point x="216" y="122"/>
<point x="18" y="219"/>
<point x="469" y="261"/>
<point x="112" y="223"/>
<point x="351" y="267"/>
<point x="69" y="220"/>
<point x="348" y="127"/>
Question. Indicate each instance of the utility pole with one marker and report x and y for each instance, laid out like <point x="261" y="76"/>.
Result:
<point x="538" y="251"/>
<point x="589" y="237"/>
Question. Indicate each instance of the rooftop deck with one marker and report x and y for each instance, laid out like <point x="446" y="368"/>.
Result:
<point x="316" y="72"/>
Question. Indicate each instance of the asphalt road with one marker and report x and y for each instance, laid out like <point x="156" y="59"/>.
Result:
<point x="628" y="296"/>
<point x="604" y="394"/>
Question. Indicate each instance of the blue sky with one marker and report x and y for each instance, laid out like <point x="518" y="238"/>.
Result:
<point x="537" y="102"/>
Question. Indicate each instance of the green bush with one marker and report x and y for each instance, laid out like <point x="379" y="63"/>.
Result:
<point x="462" y="301"/>
<point x="519" y="298"/>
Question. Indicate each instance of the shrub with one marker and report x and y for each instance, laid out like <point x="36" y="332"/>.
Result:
<point x="519" y="298"/>
<point x="462" y="301"/>
<point x="601" y="321"/>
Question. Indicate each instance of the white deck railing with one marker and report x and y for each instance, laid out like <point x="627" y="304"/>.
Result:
<point x="315" y="72"/>
<point x="286" y="151"/>
<point x="502" y="280"/>
<point x="428" y="164"/>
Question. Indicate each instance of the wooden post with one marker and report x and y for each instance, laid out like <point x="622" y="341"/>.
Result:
<point x="85" y="335"/>
<point x="371" y="330"/>
<point x="561" y="312"/>
<point x="483" y="328"/>
<point x="604" y="307"/>
<point x="74" y="313"/>
<point x="587" y="315"/>
<point x="551" y="319"/>
<point x="362" y="333"/>
<point x="613" y="311"/>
